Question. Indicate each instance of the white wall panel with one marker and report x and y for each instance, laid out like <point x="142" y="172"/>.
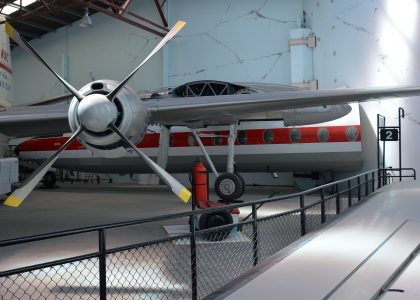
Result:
<point x="232" y="40"/>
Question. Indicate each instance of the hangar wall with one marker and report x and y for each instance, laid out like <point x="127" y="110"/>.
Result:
<point x="110" y="49"/>
<point x="240" y="41"/>
<point x="366" y="44"/>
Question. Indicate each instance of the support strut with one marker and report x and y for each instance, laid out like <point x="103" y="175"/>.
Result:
<point x="231" y="148"/>
<point x="206" y="154"/>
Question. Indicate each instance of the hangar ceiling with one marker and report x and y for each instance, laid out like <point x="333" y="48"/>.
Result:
<point x="34" y="18"/>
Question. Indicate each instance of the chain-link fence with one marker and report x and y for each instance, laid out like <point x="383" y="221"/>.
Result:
<point x="189" y="265"/>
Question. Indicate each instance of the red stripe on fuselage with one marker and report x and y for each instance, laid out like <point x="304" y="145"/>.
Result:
<point x="6" y="68"/>
<point x="337" y="134"/>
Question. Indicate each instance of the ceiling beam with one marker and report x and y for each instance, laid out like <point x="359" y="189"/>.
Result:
<point x="42" y="15"/>
<point x="29" y="23"/>
<point x="126" y="11"/>
<point x="117" y="16"/>
<point x="29" y="34"/>
<point x="68" y="10"/>
<point x="162" y="15"/>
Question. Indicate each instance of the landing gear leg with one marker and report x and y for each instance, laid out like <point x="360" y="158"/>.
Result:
<point x="230" y="186"/>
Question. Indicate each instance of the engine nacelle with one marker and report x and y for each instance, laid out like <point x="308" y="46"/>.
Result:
<point x="131" y="120"/>
<point x="314" y="115"/>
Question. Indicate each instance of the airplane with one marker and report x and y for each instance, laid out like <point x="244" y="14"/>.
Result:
<point x="108" y="117"/>
<point x="260" y="146"/>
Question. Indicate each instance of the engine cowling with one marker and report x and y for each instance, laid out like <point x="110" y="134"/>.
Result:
<point x="131" y="119"/>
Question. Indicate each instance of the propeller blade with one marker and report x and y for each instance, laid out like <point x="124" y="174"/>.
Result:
<point x="13" y="34"/>
<point x="177" y="188"/>
<point x="17" y="197"/>
<point x="177" y="27"/>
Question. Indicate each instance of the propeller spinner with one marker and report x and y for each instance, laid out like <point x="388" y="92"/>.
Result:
<point x="94" y="119"/>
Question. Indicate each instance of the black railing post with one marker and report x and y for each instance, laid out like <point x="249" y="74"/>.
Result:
<point x="255" y="234"/>
<point x="102" y="265"/>
<point x="373" y="181"/>
<point x="337" y="200"/>
<point x="193" y="239"/>
<point x="401" y="114"/>
<point x="359" y="192"/>
<point x="349" y="192"/>
<point x="302" y="215"/>
<point x="366" y="184"/>
<point x="379" y="178"/>
<point x="322" y="207"/>
<point x="385" y="177"/>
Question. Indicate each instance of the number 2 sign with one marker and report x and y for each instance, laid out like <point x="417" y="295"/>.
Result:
<point x="389" y="134"/>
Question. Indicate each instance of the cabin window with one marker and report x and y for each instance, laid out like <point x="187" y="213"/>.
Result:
<point x="268" y="136"/>
<point x="323" y="134"/>
<point x="191" y="140"/>
<point x="217" y="139"/>
<point x="352" y="133"/>
<point x="242" y="137"/>
<point x="295" y="135"/>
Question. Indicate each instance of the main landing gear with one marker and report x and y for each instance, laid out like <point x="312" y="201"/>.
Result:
<point x="229" y="186"/>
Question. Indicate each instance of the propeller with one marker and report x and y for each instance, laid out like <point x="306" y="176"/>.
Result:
<point x="176" y="187"/>
<point x="18" y="195"/>
<point x="96" y="112"/>
<point x="174" y="30"/>
<point x="12" y="33"/>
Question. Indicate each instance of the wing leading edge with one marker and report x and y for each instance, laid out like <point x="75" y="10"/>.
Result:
<point x="34" y="121"/>
<point x="210" y="110"/>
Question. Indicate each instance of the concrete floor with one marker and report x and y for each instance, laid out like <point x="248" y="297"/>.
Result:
<point x="79" y="205"/>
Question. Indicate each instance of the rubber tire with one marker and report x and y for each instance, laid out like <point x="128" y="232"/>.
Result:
<point x="215" y="219"/>
<point x="235" y="179"/>
<point x="49" y="180"/>
<point x="243" y="183"/>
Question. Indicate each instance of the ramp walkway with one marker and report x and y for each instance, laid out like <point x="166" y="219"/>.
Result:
<point x="368" y="252"/>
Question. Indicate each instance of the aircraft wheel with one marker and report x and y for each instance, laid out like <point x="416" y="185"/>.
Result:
<point x="49" y="180"/>
<point x="216" y="219"/>
<point x="229" y="186"/>
<point x="243" y="183"/>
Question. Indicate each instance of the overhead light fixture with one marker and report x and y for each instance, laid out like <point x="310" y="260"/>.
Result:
<point x="86" y="20"/>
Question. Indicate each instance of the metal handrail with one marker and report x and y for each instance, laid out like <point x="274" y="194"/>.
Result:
<point x="64" y="233"/>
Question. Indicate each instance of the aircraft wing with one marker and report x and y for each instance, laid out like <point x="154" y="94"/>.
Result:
<point x="46" y="120"/>
<point x="34" y="121"/>
<point x="213" y="110"/>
